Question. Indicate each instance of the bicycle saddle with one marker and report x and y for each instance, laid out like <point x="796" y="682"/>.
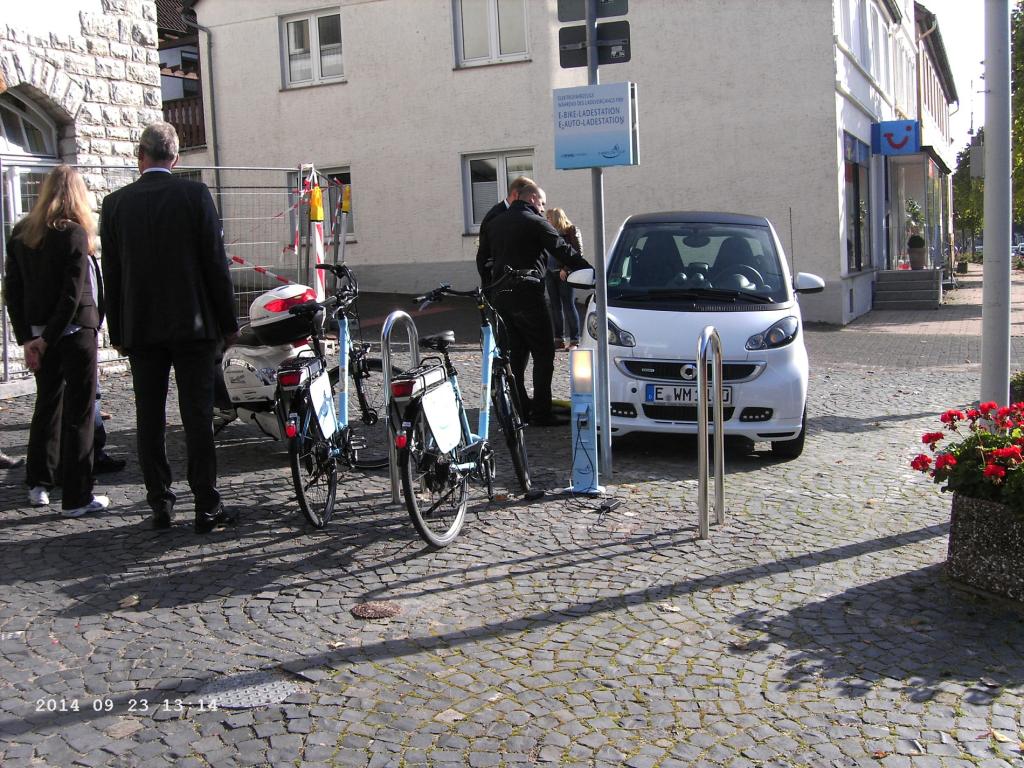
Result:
<point x="439" y="342"/>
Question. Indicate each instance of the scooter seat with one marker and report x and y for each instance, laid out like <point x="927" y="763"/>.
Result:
<point x="439" y="342"/>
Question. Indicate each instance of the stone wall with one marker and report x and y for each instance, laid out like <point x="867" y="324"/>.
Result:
<point x="101" y="86"/>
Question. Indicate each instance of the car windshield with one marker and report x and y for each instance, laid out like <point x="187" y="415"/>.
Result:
<point x="690" y="262"/>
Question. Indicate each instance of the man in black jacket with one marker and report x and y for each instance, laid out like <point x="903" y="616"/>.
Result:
<point x="483" y="260"/>
<point x="169" y="302"/>
<point x="521" y="239"/>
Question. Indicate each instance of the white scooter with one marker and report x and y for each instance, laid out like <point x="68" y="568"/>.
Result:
<point x="249" y="367"/>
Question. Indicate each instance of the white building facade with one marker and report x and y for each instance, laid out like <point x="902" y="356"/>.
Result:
<point x="428" y="107"/>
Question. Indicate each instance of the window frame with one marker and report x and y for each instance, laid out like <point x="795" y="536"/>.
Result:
<point x="315" y="50"/>
<point x="493" y="37"/>
<point x="330" y="202"/>
<point x="29" y="113"/>
<point x="471" y="227"/>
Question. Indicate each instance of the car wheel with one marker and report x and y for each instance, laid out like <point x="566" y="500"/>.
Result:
<point x="791" y="449"/>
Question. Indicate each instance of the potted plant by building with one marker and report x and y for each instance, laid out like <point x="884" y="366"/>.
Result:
<point x="978" y="458"/>
<point x="917" y="252"/>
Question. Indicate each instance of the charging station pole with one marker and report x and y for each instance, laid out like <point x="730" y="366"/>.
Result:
<point x="601" y="399"/>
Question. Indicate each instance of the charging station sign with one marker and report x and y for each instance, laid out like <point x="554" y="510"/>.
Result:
<point x="595" y="126"/>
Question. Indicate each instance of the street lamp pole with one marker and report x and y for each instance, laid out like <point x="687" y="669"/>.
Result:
<point x="995" y="312"/>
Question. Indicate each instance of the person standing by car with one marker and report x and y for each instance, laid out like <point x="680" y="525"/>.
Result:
<point x="483" y="260"/>
<point x="564" y="315"/>
<point x="54" y="297"/>
<point x="170" y="304"/>
<point x="522" y="239"/>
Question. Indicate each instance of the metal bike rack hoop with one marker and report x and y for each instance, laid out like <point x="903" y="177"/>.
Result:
<point x="398" y="317"/>
<point x="709" y="340"/>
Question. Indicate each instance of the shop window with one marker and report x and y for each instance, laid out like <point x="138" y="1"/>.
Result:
<point x="858" y="221"/>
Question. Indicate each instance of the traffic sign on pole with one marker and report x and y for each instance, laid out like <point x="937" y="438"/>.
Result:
<point x="612" y="44"/>
<point x="576" y="10"/>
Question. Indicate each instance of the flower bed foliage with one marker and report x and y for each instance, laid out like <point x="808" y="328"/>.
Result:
<point x="979" y="454"/>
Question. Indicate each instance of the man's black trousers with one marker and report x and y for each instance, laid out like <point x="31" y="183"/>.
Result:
<point x="528" y="323"/>
<point x="193" y="371"/>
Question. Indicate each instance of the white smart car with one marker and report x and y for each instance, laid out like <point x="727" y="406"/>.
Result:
<point x="672" y="274"/>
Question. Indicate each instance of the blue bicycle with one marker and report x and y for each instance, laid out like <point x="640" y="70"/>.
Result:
<point x="323" y="433"/>
<point x="438" y="452"/>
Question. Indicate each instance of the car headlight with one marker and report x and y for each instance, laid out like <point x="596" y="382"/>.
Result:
<point x="616" y="336"/>
<point x="778" y="335"/>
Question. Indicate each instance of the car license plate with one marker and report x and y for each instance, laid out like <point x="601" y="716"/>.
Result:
<point x="668" y="393"/>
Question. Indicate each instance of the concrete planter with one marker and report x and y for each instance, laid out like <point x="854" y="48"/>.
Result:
<point x="986" y="547"/>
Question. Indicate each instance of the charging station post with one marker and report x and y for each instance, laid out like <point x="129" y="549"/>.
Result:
<point x="584" y="423"/>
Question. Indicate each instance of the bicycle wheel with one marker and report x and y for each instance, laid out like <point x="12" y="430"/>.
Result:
<point x="314" y="470"/>
<point x="506" y="410"/>
<point x="368" y="427"/>
<point x="435" y="493"/>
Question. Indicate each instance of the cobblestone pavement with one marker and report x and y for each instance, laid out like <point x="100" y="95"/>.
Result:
<point x="815" y="628"/>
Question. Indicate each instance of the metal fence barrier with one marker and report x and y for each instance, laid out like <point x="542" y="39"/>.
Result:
<point x="263" y="210"/>
<point x="709" y="340"/>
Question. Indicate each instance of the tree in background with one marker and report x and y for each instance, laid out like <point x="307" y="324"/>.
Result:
<point x="968" y="198"/>
<point x="968" y="193"/>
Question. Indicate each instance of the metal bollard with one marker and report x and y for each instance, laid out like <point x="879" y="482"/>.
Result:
<point x="709" y="339"/>
<point x="395" y="318"/>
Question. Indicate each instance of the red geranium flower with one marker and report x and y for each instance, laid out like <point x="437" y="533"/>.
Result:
<point x="951" y="416"/>
<point x="985" y="408"/>
<point x="921" y="462"/>
<point x="932" y="437"/>
<point x="944" y="460"/>
<point x="1009" y="452"/>
<point x="994" y="470"/>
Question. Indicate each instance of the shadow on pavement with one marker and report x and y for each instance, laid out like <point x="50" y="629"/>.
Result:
<point x="912" y="626"/>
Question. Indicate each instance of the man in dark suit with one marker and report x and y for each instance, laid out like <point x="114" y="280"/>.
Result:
<point x="169" y="303"/>
<point x="522" y="238"/>
<point x="483" y="260"/>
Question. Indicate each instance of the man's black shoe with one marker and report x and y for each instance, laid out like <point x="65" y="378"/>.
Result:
<point x="105" y="464"/>
<point x="162" y="518"/>
<point x="547" y="420"/>
<point x="215" y="518"/>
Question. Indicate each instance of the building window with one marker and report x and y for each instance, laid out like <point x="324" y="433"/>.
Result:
<point x="857" y="155"/>
<point x="332" y="183"/>
<point x="489" y="31"/>
<point x="311" y="46"/>
<point x="24" y="130"/>
<point x="485" y="181"/>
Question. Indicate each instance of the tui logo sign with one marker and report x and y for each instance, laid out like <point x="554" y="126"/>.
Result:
<point x="896" y="137"/>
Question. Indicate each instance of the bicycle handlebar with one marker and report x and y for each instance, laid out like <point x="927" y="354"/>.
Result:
<point x="532" y="276"/>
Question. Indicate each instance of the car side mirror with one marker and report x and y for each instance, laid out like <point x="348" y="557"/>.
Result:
<point x="581" y="278"/>
<point x="808" y="283"/>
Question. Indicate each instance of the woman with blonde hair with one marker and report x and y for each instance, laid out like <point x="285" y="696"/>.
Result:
<point x="564" y="314"/>
<point x="53" y="291"/>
